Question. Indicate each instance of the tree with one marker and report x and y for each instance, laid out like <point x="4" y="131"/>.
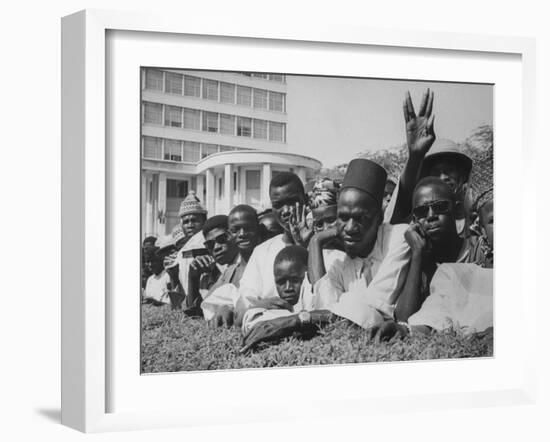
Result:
<point x="393" y="159"/>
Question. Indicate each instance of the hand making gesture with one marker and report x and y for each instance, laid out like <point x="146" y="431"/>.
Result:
<point x="300" y="231"/>
<point x="420" y="128"/>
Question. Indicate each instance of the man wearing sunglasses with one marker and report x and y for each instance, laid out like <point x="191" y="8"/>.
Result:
<point x="433" y="239"/>
<point x="213" y="269"/>
<point x="428" y="157"/>
<point x="219" y="305"/>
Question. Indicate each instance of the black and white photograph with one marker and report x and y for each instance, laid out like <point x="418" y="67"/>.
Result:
<point x="295" y="220"/>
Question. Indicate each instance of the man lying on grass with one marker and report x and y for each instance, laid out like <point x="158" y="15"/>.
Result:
<point x="219" y="266"/>
<point x="362" y="287"/>
<point x="219" y="304"/>
<point x="446" y="286"/>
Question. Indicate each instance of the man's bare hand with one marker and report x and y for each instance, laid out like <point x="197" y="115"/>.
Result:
<point x="202" y="264"/>
<point x="224" y="317"/>
<point x="420" y="128"/>
<point x="331" y="234"/>
<point x="387" y="331"/>
<point x="416" y="238"/>
<point x="300" y="231"/>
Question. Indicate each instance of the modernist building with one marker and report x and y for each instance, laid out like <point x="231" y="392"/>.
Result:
<point x="220" y="134"/>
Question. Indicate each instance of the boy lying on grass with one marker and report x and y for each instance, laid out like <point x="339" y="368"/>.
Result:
<point x="290" y="313"/>
<point x="446" y="286"/>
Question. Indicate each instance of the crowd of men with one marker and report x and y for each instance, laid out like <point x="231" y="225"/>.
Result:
<point x="395" y="258"/>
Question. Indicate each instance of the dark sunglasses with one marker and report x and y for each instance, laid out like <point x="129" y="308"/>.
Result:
<point x="440" y="207"/>
<point x="220" y="239"/>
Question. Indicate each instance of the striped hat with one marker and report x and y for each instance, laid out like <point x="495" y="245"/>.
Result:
<point x="324" y="193"/>
<point x="481" y="181"/>
<point x="190" y="205"/>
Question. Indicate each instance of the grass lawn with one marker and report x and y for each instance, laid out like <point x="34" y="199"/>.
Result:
<point x="171" y="342"/>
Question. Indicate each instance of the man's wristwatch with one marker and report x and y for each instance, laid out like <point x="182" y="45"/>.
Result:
<point x="304" y="317"/>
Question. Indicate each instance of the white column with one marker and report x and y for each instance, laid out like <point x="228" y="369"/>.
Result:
<point x="265" y="178"/>
<point x="200" y="188"/>
<point x="210" y="191"/>
<point x="301" y="172"/>
<point x="148" y="205"/>
<point x="155" y="202"/>
<point x="242" y="185"/>
<point x="161" y="226"/>
<point x="144" y="230"/>
<point x="228" y="187"/>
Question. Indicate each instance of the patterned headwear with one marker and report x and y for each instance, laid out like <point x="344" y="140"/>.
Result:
<point x="481" y="181"/>
<point x="190" y="205"/>
<point x="324" y="193"/>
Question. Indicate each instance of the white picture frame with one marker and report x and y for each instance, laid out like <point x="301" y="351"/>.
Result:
<point x="86" y="315"/>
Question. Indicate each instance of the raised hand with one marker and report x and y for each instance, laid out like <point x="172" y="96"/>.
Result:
<point x="300" y="231"/>
<point x="420" y="128"/>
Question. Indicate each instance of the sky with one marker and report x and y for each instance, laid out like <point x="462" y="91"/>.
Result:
<point x="333" y="119"/>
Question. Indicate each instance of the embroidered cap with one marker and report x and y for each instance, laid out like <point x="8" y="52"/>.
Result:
<point x="190" y="205"/>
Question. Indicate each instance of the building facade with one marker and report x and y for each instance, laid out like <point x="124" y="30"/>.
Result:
<point x="219" y="134"/>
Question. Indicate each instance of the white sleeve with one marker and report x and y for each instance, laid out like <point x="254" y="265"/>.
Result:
<point x="437" y="310"/>
<point x="251" y="283"/>
<point x="387" y="283"/>
<point x="224" y="295"/>
<point x="254" y="316"/>
<point x="328" y="289"/>
<point x="371" y="305"/>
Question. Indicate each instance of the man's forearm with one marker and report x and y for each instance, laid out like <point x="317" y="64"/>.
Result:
<point x="407" y="182"/>
<point x="193" y="298"/>
<point x="316" y="265"/>
<point x="410" y="300"/>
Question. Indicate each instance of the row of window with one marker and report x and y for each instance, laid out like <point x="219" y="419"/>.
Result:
<point x="273" y="77"/>
<point x="220" y="91"/>
<point x="156" y="148"/>
<point x="226" y="124"/>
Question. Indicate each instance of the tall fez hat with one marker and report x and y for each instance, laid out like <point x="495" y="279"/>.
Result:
<point x="366" y="175"/>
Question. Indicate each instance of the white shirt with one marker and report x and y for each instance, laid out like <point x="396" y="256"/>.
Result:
<point x="365" y="290"/>
<point x="195" y="242"/>
<point x="157" y="287"/>
<point x="461" y="298"/>
<point x="255" y="315"/>
<point x="258" y="281"/>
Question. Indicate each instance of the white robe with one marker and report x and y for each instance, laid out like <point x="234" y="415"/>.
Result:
<point x="461" y="298"/>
